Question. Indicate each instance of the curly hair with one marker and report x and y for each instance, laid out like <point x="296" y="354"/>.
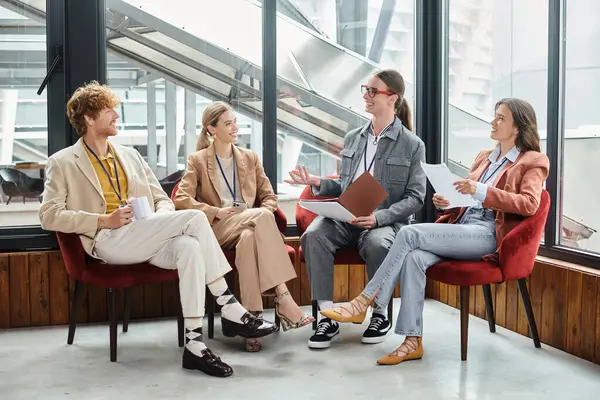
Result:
<point x="89" y="99"/>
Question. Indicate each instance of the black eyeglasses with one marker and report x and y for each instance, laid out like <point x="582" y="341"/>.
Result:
<point x="374" y="91"/>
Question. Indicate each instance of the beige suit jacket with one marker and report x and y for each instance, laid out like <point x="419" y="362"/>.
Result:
<point x="73" y="198"/>
<point x="199" y="187"/>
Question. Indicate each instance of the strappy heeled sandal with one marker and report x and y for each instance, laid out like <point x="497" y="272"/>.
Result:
<point x="286" y="323"/>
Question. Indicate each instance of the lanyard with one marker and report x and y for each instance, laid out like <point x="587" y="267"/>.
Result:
<point x="365" y="157"/>
<point x="493" y="173"/>
<point x="118" y="193"/>
<point x="233" y="192"/>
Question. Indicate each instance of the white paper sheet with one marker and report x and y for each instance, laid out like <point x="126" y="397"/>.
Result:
<point x="442" y="180"/>
<point x="329" y="209"/>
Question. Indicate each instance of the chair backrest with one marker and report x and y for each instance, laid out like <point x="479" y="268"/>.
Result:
<point x="73" y="254"/>
<point x="519" y="248"/>
<point x="280" y="217"/>
<point x="12" y="175"/>
<point x="304" y="217"/>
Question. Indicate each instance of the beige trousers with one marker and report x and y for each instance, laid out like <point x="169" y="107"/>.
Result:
<point x="179" y="240"/>
<point x="260" y="253"/>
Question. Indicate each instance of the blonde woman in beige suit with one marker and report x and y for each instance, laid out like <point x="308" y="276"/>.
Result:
<point x="225" y="182"/>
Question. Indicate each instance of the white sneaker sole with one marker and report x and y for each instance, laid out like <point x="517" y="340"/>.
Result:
<point x="322" y="345"/>
<point x="374" y="340"/>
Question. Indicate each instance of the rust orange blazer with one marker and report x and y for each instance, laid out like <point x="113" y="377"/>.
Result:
<point x="515" y="193"/>
<point x="199" y="187"/>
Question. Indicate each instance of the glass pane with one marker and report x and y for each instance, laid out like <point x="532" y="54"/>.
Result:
<point x="495" y="49"/>
<point x="23" y="126"/>
<point x="165" y="82"/>
<point x="581" y="136"/>
<point x="336" y="51"/>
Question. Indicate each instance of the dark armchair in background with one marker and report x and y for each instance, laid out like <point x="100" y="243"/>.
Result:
<point x="16" y="183"/>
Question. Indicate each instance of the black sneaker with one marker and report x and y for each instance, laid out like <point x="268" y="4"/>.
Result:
<point x="327" y="332"/>
<point x="377" y="330"/>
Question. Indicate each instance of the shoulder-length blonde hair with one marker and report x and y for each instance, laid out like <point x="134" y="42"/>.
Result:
<point x="210" y="117"/>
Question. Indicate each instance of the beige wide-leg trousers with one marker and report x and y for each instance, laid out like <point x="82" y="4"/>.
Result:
<point x="180" y="240"/>
<point x="260" y="253"/>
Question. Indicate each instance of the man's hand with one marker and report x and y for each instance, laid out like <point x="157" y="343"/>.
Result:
<point x="440" y="202"/>
<point x="116" y="219"/>
<point x="368" y="222"/>
<point x="225" y="212"/>
<point x="301" y="176"/>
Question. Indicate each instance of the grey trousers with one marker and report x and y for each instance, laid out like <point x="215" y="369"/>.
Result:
<point x="325" y="236"/>
<point x="418" y="247"/>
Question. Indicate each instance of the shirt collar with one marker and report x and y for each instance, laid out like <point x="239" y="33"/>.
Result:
<point x="384" y="131"/>
<point x="511" y="156"/>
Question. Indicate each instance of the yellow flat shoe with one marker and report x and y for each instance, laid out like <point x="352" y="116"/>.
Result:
<point x="334" y="315"/>
<point x="391" y="359"/>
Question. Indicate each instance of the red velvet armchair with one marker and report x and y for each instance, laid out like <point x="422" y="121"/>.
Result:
<point x="348" y="255"/>
<point x="281" y="221"/>
<point x="86" y="270"/>
<point x="516" y="258"/>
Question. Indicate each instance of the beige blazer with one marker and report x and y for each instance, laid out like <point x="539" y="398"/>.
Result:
<point x="73" y="198"/>
<point x="199" y="187"/>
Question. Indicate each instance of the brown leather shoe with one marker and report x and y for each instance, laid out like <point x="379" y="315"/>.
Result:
<point x="392" y="359"/>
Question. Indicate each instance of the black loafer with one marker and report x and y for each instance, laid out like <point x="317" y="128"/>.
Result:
<point x="208" y="363"/>
<point x="251" y="328"/>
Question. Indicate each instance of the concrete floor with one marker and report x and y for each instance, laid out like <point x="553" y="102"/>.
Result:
<point x="37" y="364"/>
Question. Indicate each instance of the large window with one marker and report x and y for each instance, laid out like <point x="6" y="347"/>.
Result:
<point x="325" y="50"/>
<point x="581" y="135"/>
<point x="179" y="67"/>
<point x="494" y="49"/>
<point x="23" y="127"/>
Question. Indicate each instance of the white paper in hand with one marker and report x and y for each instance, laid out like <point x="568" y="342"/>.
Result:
<point x="442" y="180"/>
<point x="328" y="209"/>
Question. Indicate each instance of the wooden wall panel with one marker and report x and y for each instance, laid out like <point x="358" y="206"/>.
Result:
<point x="19" y="288"/>
<point x="588" y="316"/>
<point x="4" y="292"/>
<point x="39" y="289"/>
<point x="34" y="291"/>
<point x="59" y="289"/>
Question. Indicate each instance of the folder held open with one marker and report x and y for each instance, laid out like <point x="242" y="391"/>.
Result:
<point x="362" y="197"/>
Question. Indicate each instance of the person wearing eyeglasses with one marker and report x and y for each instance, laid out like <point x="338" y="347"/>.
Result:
<point x="506" y="185"/>
<point x="386" y="148"/>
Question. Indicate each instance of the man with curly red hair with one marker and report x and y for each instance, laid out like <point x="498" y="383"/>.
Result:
<point x="89" y="189"/>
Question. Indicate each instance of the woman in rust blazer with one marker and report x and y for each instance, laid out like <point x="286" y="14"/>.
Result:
<point x="505" y="184"/>
<point x="225" y="182"/>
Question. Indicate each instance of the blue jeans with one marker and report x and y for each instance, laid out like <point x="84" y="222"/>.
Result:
<point x="418" y="247"/>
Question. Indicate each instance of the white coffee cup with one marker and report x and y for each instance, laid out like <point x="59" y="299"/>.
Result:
<point x="140" y="207"/>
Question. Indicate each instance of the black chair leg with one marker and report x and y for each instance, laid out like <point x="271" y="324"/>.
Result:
<point x="211" y="317"/>
<point x="464" y="321"/>
<point x="489" y="307"/>
<point x="315" y="309"/>
<point x="390" y="311"/>
<point x="127" y="309"/>
<point x="112" y="313"/>
<point x="180" y="330"/>
<point x="75" y="306"/>
<point x="522" y="284"/>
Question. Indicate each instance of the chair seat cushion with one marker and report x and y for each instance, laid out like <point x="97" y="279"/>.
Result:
<point x="120" y="276"/>
<point x="465" y="273"/>
<point x="347" y="255"/>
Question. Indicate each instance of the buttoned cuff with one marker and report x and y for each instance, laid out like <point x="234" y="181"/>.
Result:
<point x="480" y="192"/>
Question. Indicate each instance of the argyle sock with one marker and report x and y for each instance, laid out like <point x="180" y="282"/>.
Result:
<point x="231" y="309"/>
